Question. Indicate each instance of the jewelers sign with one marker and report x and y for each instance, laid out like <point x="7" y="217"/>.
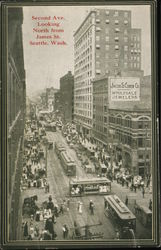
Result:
<point x="124" y="88"/>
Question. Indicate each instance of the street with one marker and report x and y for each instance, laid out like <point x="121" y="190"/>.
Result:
<point x="59" y="191"/>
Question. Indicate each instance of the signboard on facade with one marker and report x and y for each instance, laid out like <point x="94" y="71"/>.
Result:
<point x="124" y="88"/>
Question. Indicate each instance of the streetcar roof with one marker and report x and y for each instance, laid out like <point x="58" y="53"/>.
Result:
<point x="144" y="208"/>
<point x="67" y="157"/>
<point x="120" y="208"/>
<point x="90" y="180"/>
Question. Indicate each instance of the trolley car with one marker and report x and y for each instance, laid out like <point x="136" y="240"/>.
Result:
<point x="59" y="147"/>
<point x="68" y="163"/>
<point x="122" y="217"/>
<point x="90" y="186"/>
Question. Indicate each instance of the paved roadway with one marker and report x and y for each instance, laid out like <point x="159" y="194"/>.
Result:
<point x="59" y="189"/>
<point x="62" y="189"/>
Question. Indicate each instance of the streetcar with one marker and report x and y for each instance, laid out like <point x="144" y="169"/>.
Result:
<point x="144" y="214"/>
<point x="59" y="147"/>
<point x="68" y="163"/>
<point x="123" y="218"/>
<point x="89" y="186"/>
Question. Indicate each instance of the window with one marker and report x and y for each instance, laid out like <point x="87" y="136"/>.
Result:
<point x="107" y="47"/>
<point x="98" y="12"/>
<point x="105" y="108"/>
<point x="107" y="30"/>
<point x="140" y="142"/>
<point x="107" y="38"/>
<point x="138" y="58"/>
<point x="117" y="30"/>
<point x="125" y="39"/>
<point x="107" y="21"/>
<point x="116" y="39"/>
<point x="116" y="55"/>
<point x="125" y="64"/>
<point x="126" y="56"/>
<point x="116" y="64"/>
<point x="105" y="119"/>
<point x="140" y="156"/>
<point x="134" y="65"/>
<point x="97" y="20"/>
<point x="97" y="38"/>
<point x="116" y="13"/>
<point x="107" y="12"/>
<point x="98" y="29"/>
<point x="97" y="46"/>
<point x="125" y="48"/>
<point x="98" y="71"/>
<point x="116" y="22"/>
<point x="140" y="125"/>
<point x="105" y="130"/>
<point x="125" y="22"/>
<point x="116" y="47"/>
<point x="125" y="14"/>
<point x="98" y="64"/>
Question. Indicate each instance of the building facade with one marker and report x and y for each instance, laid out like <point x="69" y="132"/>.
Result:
<point x="105" y="43"/>
<point x="16" y="109"/>
<point x="124" y="126"/>
<point x="131" y="130"/>
<point x="66" y="92"/>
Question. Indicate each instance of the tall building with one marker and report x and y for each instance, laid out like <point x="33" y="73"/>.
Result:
<point x="50" y="98"/>
<point x="16" y="109"/>
<point x="66" y="92"/>
<point x="105" y="43"/>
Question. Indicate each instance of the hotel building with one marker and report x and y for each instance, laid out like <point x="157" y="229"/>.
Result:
<point x="105" y="43"/>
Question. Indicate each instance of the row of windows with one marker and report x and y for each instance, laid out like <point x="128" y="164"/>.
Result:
<point x="128" y="122"/>
<point x="83" y="91"/>
<point x="82" y="119"/>
<point x="115" y="13"/>
<point x="116" y="29"/>
<point x="100" y="118"/>
<point x="83" y="112"/>
<point x="100" y="128"/>
<point x="108" y="21"/>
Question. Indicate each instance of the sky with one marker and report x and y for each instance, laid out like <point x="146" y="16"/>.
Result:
<point x="45" y="65"/>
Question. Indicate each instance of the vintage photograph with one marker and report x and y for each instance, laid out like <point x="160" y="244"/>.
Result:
<point x="80" y="161"/>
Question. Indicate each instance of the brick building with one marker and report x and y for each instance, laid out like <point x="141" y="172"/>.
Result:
<point x="105" y="43"/>
<point x="66" y="96"/>
<point x="16" y="109"/>
<point x="124" y="126"/>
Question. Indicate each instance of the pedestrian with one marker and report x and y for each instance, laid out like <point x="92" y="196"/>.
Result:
<point x="143" y="192"/>
<point x="150" y="204"/>
<point x="126" y="201"/>
<point x="25" y="229"/>
<point x="68" y="204"/>
<point x="61" y="209"/>
<point x="64" y="231"/>
<point x="90" y="204"/>
<point x="92" y="209"/>
<point x="80" y="208"/>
